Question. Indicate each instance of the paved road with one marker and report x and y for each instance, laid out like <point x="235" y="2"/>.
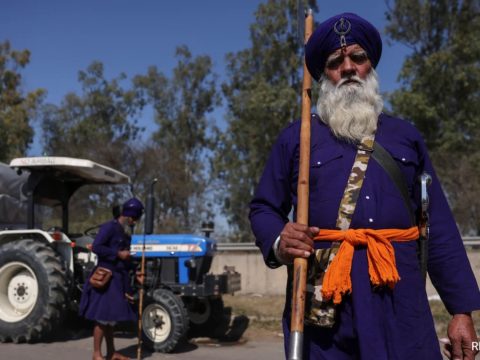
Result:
<point x="81" y="349"/>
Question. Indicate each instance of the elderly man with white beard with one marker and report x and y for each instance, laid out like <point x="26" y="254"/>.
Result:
<point x="366" y="293"/>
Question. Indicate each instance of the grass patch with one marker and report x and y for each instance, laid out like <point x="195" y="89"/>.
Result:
<point x="256" y="306"/>
<point x="264" y="312"/>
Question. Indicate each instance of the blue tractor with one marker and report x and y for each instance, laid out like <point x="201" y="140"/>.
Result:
<point x="183" y="299"/>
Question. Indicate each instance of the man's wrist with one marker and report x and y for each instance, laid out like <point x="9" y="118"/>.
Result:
<point x="469" y="314"/>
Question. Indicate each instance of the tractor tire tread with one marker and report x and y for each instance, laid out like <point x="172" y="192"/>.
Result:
<point x="40" y="322"/>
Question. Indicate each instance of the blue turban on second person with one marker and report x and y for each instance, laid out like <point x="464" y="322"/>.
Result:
<point x="327" y="38"/>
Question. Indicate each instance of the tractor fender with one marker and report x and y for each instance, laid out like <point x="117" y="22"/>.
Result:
<point x="63" y="246"/>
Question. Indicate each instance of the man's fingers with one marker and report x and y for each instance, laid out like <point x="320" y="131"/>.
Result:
<point x="314" y="231"/>
<point x="294" y="235"/>
<point x="467" y="352"/>
<point x="294" y="253"/>
<point x="296" y="243"/>
<point x="461" y="333"/>
<point x="456" y="349"/>
<point x="296" y="240"/>
<point x="310" y="231"/>
<point x="295" y="248"/>
<point x="299" y="228"/>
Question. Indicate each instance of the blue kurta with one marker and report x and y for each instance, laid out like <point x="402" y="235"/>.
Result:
<point x="372" y="323"/>
<point x="109" y="304"/>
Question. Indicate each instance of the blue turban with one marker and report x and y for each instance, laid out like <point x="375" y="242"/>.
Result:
<point x="327" y="38"/>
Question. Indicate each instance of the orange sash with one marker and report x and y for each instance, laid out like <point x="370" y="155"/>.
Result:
<point x="381" y="258"/>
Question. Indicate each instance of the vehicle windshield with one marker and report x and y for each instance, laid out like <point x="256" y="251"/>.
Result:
<point x="92" y="205"/>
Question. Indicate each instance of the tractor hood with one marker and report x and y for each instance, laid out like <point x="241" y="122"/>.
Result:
<point x="172" y="245"/>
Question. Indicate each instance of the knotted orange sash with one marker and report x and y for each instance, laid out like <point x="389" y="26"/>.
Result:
<point x="381" y="258"/>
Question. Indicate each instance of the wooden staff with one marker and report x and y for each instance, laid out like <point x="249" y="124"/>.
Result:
<point x="148" y="229"/>
<point x="300" y="264"/>
<point x="140" y="304"/>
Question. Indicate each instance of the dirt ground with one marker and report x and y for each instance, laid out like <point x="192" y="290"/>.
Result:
<point x="255" y="319"/>
<point x="265" y="311"/>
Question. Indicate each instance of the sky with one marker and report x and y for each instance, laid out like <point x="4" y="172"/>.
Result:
<point x="65" y="36"/>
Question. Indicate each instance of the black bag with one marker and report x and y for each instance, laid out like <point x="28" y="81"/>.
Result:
<point x="100" y="277"/>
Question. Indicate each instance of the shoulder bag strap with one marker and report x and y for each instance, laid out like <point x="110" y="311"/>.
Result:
<point x="385" y="160"/>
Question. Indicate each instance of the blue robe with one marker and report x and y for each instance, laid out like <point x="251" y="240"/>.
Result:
<point x="110" y="304"/>
<point x="372" y="323"/>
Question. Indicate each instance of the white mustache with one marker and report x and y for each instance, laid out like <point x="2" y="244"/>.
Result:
<point x="354" y="78"/>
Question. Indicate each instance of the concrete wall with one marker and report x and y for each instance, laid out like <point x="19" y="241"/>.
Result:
<point x="257" y="278"/>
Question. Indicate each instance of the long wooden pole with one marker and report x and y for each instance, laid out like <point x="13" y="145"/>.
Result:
<point x="300" y="264"/>
<point x="148" y="230"/>
<point x="140" y="303"/>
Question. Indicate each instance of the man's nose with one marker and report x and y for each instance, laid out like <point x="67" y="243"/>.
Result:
<point x="347" y="68"/>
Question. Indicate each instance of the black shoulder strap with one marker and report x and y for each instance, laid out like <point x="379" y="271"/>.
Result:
<point x="385" y="160"/>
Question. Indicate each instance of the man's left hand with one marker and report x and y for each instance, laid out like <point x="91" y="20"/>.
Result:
<point x="461" y="333"/>
<point x="140" y="277"/>
<point x="129" y="298"/>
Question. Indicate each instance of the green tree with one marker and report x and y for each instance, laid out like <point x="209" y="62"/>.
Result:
<point x="439" y="90"/>
<point x="100" y="124"/>
<point x="17" y="109"/>
<point x="105" y="113"/>
<point x="263" y="96"/>
<point x="181" y="146"/>
<point x="441" y="77"/>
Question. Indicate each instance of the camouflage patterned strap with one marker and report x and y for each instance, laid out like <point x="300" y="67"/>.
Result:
<point x="354" y="184"/>
<point x="318" y="312"/>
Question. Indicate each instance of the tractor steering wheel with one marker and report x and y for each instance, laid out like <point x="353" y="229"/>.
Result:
<point x="92" y="231"/>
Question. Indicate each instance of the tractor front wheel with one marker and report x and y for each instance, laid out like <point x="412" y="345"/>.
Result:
<point x="164" y="321"/>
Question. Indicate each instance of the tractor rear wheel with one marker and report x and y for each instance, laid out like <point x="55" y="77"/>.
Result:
<point x="207" y="317"/>
<point x="33" y="291"/>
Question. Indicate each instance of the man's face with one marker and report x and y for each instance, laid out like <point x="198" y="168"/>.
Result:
<point x="132" y="221"/>
<point x="347" y="62"/>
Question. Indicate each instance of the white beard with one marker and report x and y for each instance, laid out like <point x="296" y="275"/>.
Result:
<point x="351" y="111"/>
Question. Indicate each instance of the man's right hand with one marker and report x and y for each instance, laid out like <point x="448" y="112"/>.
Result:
<point x="123" y="254"/>
<point x="296" y="240"/>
